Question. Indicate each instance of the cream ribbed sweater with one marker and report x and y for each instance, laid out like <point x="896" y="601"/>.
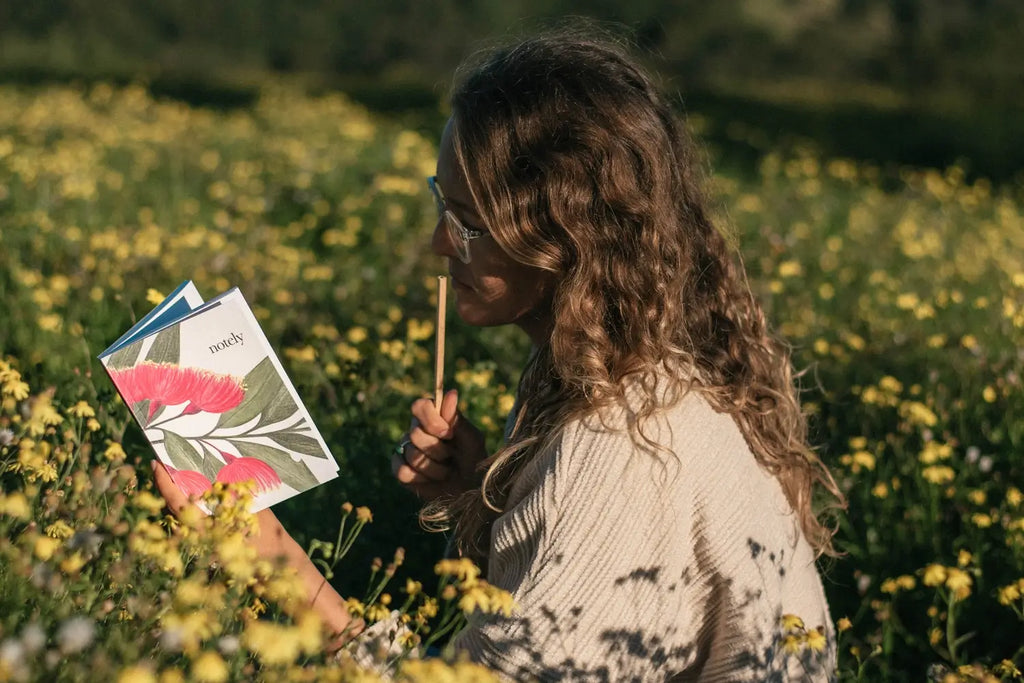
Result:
<point x="629" y="564"/>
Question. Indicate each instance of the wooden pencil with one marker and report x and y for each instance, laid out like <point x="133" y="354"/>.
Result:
<point x="442" y="298"/>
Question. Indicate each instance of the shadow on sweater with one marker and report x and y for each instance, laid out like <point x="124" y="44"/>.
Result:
<point x="728" y="646"/>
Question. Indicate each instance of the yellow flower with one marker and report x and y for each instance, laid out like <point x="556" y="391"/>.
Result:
<point x="816" y="640"/>
<point x="209" y="668"/>
<point x="462" y="568"/>
<point x="172" y="676"/>
<point x="1009" y="594"/>
<point x="154" y="297"/>
<point x="981" y="520"/>
<point x="72" y="564"/>
<point x="114" y="451"/>
<point x="364" y="515"/>
<point x="1013" y="496"/>
<point x="148" y="502"/>
<point x="82" y="409"/>
<point x="964" y="558"/>
<point x="791" y="622"/>
<point x="792" y="643"/>
<point x="863" y="459"/>
<point x="60" y="529"/>
<point x="15" y="505"/>
<point x="906" y="582"/>
<point x="45" y="547"/>
<point x="934" y="575"/>
<point x="357" y="335"/>
<point x="958" y="581"/>
<point x="880" y="490"/>
<point x="843" y="624"/>
<point x="413" y="587"/>
<point x="355" y="607"/>
<point x="938" y="474"/>
<point x="989" y="394"/>
<point x="790" y="269"/>
<point x="917" y="413"/>
<point x="136" y="674"/>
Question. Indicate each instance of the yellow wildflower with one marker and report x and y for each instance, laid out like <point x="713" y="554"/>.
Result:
<point x="843" y="624"/>
<point x="958" y="581"/>
<point x="934" y="575"/>
<point x="964" y="558"/>
<point x="792" y="643"/>
<point x="917" y="413"/>
<point x="1009" y="594"/>
<point x="15" y="505"/>
<point x="364" y="515"/>
<point x="45" y="547"/>
<point x="462" y="568"/>
<point x="137" y="673"/>
<point x="81" y="409"/>
<point x="791" y="622"/>
<point x="60" y="529"/>
<point x="816" y="640"/>
<point x="209" y="668"/>
<point x="1013" y="496"/>
<point x="938" y="474"/>
<point x="981" y="520"/>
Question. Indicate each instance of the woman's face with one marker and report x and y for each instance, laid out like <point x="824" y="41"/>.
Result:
<point x="492" y="289"/>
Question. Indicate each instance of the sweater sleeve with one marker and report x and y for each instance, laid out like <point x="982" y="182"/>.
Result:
<point x="595" y="581"/>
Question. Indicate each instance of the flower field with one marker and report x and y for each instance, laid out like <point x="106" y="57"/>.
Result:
<point x="901" y="291"/>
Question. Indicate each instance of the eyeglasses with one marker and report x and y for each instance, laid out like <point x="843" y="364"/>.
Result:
<point x="460" y="234"/>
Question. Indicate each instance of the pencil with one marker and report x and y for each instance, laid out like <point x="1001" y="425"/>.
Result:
<point x="442" y="296"/>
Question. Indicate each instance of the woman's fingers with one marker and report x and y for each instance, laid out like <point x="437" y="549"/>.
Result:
<point x="420" y="463"/>
<point x="175" y="497"/>
<point x="425" y="416"/>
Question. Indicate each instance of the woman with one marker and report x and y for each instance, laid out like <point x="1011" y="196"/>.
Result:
<point x="651" y="510"/>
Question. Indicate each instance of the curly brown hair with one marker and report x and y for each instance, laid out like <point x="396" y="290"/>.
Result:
<point x="580" y="167"/>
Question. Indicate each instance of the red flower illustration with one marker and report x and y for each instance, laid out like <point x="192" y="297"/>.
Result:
<point x="191" y="483"/>
<point x="248" y="469"/>
<point x="215" y="394"/>
<point x="167" y="384"/>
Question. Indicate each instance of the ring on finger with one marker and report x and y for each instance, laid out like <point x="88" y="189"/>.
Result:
<point x="400" y="450"/>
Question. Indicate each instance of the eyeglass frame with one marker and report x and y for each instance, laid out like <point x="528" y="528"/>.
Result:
<point x="460" y="234"/>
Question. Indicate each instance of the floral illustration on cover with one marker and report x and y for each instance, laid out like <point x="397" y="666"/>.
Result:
<point x="216" y="427"/>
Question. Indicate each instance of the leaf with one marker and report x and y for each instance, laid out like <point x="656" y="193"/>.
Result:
<point x="183" y="455"/>
<point x="294" y="473"/>
<point x="140" y="409"/>
<point x="166" y="347"/>
<point x="280" y="407"/>
<point x="261" y="386"/>
<point x="300" y="443"/>
<point x="125" y="357"/>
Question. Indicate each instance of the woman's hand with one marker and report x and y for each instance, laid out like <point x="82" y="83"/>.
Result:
<point x="441" y="452"/>
<point x="272" y="541"/>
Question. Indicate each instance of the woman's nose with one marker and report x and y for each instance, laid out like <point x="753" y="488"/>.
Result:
<point x="441" y="240"/>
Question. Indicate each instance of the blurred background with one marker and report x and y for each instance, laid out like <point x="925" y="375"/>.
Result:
<point x="922" y="82"/>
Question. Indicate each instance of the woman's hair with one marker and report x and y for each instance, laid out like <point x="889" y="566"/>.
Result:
<point x="580" y="167"/>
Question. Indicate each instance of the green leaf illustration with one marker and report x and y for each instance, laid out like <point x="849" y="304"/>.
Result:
<point x="261" y="386"/>
<point x="294" y="473"/>
<point x="125" y="357"/>
<point x="166" y="347"/>
<point x="280" y="407"/>
<point x="183" y="455"/>
<point x="140" y="410"/>
<point x="300" y="443"/>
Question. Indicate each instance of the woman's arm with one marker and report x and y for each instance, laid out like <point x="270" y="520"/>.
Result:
<point x="272" y="541"/>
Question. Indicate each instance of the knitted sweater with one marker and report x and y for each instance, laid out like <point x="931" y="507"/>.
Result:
<point x="629" y="563"/>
